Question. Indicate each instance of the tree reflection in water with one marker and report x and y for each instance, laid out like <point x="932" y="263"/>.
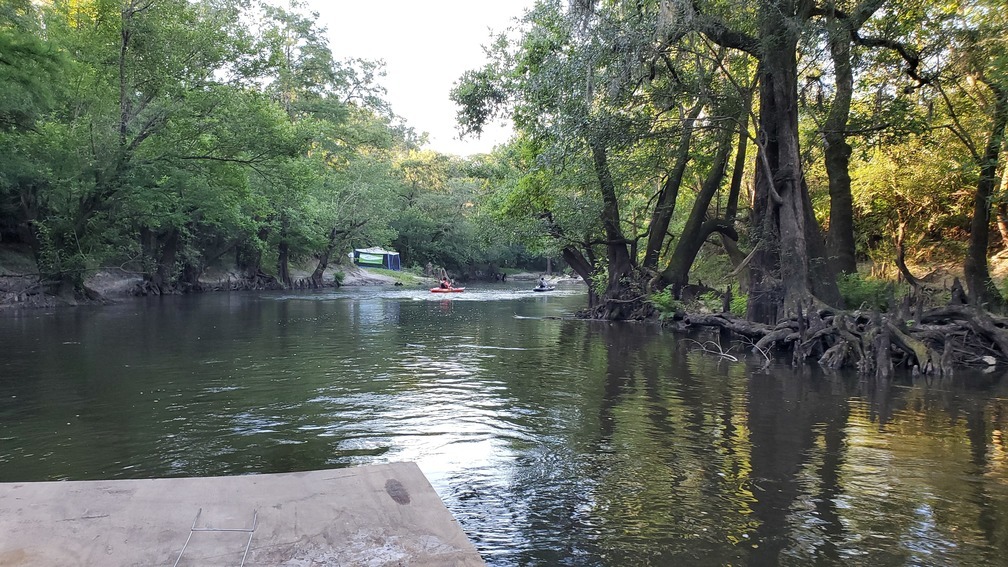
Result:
<point x="553" y="442"/>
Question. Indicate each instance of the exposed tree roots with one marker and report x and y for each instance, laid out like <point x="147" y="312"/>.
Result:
<point x="941" y="340"/>
<point x="257" y="280"/>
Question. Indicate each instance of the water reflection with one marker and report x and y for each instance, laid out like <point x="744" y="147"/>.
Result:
<point x="553" y="442"/>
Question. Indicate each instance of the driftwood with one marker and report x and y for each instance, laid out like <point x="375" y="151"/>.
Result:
<point x="729" y="322"/>
<point x="934" y="344"/>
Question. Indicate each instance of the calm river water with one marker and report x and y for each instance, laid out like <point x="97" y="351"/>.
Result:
<point x="552" y="441"/>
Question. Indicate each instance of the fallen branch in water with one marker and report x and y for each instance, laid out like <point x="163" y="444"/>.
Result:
<point x="720" y="351"/>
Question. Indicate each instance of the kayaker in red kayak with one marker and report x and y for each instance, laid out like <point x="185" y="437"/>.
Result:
<point x="445" y="282"/>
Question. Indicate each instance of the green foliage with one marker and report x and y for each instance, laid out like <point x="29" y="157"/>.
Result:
<point x="711" y="300"/>
<point x="600" y="281"/>
<point x="858" y="291"/>
<point x="218" y="126"/>
<point x="665" y="303"/>
<point x="739" y="304"/>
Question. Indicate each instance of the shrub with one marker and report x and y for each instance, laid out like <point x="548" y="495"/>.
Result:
<point x="712" y="300"/>
<point x="739" y="305"/>
<point x="665" y="303"/>
<point x="871" y="293"/>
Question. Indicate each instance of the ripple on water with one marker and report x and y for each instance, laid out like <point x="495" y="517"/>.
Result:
<point x="552" y="442"/>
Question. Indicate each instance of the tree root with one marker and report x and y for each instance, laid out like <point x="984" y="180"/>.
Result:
<point x="942" y="340"/>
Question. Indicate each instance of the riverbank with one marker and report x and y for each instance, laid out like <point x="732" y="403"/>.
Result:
<point x="20" y="285"/>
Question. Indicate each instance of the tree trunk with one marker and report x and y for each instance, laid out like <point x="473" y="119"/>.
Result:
<point x="323" y="260"/>
<point x="283" y="254"/>
<point x="737" y="258"/>
<point x="783" y="222"/>
<point x="734" y="191"/>
<point x="320" y="268"/>
<point x="821" y="271"/>
<point x="620" y="264"/>
<point x="982" y="290"/>
<point x="1002" y="214"/>
<point x="1002" y="209"/>
<point x="696" y="231"/>
<point x="779" y="269"/>
<point x="738" y="171"/>
<point x="161" y="279"/>
<point x="665" y="207"/>
<point x="283" y="264"/>
<point x="583" y="267"/>
<point x="837" y="153"/>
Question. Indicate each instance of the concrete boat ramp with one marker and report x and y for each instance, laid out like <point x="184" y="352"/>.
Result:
<point x="378" y="515"/>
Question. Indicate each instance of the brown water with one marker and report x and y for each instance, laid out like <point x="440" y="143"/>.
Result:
<point x="552" y="441"/>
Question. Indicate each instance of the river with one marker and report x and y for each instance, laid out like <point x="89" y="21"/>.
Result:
<point x="553" y="441"/>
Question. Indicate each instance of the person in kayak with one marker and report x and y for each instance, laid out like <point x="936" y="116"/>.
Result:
<point x="542" y="282"/>
<point x="445" y="283"/>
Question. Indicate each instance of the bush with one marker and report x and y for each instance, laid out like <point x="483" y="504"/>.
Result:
<point x="871" y="293"/>
<point x="739" y="305"/>
<point x="600" y="281"/>
<point x="712" y="300"/>
<point x="665" y="303"/>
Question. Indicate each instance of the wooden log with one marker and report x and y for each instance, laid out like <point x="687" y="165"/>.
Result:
<point x="725" y="321"/>
<point x="983" y="323"/>
<point x="927" y="359"/>
<point x="883" y="352"/>
<point x="835" y="356"/>
<point x="947" y="360"/>
<point x="776" y="336"/>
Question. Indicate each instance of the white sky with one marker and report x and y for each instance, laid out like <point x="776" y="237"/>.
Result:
<point x="426" y="46"/>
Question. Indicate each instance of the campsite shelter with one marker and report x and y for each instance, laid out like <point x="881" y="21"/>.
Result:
<point x="376" y="258"/>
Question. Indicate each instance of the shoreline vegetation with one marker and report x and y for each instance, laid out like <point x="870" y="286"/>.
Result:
<point x="22" y="286"/>
<point x="918" y="335"/>
<point x="653" y="148"/>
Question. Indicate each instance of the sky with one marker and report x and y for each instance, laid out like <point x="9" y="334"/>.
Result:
<point x="426" y="45"/>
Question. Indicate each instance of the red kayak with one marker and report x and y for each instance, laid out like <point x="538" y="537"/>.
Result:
<point x="447" y="289"/>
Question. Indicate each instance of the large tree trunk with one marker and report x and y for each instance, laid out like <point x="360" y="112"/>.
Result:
<point x="981" y="289"/>
<point x="821" y="271"/>
<point x="780" y="270"/>
<point x="323" y="260"/>
<point x="169" y="242"/>
<point x="583" y="267"/>
<point x="283" y="264"/>
<point x="696" y="231"/>
<point x="837" y="152"/>
<point x="283" y="254"/>
<point x="620" y="264"/>
<point x="320" y="268"/>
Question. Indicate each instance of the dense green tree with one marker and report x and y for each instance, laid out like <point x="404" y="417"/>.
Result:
<point x="636" y="123"/>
